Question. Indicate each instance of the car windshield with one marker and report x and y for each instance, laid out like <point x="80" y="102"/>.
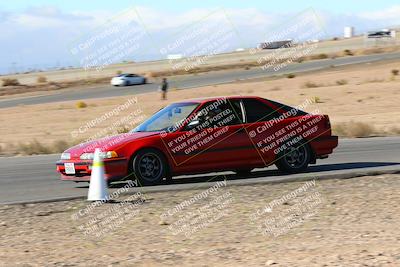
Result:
<point x="168" y="119"/>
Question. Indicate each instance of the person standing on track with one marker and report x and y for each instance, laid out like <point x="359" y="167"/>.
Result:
<point x="164" y="88"/>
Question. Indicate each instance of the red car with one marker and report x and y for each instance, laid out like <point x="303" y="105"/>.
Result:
<point x="233" y="133"/>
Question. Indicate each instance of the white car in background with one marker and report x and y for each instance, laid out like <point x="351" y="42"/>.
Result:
<point x="128" y="79"/>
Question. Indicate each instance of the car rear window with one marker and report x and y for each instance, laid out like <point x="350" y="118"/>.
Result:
<point x="258" y="111"/>
<point x="287" y="109"/>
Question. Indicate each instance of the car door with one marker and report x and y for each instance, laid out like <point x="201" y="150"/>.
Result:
<point x="266" y="128"/>
<point x="219" y="141"/>
<point x="137" y="79"/>
<point x="131" y="79"/>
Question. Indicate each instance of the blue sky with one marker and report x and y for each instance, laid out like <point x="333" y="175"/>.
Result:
<point x="339" y="6"/>
<point x="38" y="34"/>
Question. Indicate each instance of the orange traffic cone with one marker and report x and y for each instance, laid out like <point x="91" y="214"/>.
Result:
<point x="98" y="185"/>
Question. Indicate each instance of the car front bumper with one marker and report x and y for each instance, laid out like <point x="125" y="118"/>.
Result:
<point x="115" y="169"/>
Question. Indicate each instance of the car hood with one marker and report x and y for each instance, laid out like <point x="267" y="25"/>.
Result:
<point x="108" y="143"/>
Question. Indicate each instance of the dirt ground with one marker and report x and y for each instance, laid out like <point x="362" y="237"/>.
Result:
<point x="366" y="93"/>
<point x="351" y="222"/>
<point x="356" y="45"/>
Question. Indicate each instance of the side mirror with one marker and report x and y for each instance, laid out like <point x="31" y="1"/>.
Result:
<point x="193" y="124"/>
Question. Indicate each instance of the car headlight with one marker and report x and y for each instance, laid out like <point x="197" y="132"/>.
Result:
<point x="86" y="156"/>
<point x="65" y="156"/>
<point x="104" y="155"/>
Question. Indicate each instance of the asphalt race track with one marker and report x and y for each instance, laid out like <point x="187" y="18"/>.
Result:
<point x="190" y="81"/>
<point x="33" y="178"/>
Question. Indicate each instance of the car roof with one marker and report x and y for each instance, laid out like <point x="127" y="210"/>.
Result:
<point x="207" y="99"/>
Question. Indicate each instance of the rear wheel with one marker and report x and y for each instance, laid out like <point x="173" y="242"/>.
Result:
<point x="295" y="158"/>
<point x="144" y="80"/>
<point x="149" y="166"/>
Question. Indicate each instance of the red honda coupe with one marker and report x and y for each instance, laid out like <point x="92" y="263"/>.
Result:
<point x="233" y="133"/>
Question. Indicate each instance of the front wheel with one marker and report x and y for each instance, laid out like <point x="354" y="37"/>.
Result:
<point x="149" y="166"/>
<point x="295" y="158"/>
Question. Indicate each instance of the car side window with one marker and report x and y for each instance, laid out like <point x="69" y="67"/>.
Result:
<point x="258" y="111"/>
<point x="221" y="113"/>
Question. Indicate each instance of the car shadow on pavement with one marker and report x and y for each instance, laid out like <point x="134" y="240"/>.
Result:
<point x="214" y="177"/>
<point x="274" y="173"/>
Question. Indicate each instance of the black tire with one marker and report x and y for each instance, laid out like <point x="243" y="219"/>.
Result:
<point x="244" y="172"/>
<point x="168" y="178"/>
<point x="149" y="166"/>
<point x="144" y="80"/>
<point x="295" y="158"/>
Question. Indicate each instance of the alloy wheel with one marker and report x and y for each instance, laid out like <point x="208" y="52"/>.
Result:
<point x="296" y="157"/>
<point x="150" y="166"/>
